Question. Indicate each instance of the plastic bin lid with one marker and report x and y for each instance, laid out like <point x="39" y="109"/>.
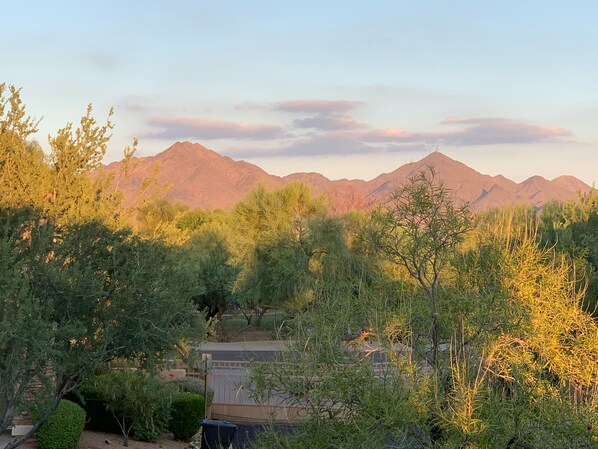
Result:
<point x="216" y="423"/>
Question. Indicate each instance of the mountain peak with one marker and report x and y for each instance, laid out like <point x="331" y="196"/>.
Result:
<point x="187" y="148"/>
<point x="436" y="157"/>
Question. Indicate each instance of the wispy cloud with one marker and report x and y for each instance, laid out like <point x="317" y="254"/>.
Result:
<point x="133" y="103"/>
<point x="318" y="106"/>
<point x="101" y="60"/>
<point x="474" y="131"/>
<point x="337" y="143"/>
<point x="343" y="143"/>
<point x="482" y="131"/>
<point x="329" y="123"/>
<point x="209" y="129"/>
<point x="335" y="133"/>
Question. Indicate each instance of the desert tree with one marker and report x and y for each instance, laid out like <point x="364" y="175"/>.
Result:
<point x="70" y="306"/>
<point x="419" y="228"/>
<point x="77" y="289"/>
<point x="277" y="247"/>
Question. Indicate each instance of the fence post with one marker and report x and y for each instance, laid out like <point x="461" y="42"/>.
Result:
<point x="207" y="381"/>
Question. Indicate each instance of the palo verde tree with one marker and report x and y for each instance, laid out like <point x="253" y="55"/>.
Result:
<point x="66" y="185"/>
<point x="277" y="248"/>
<point x="419" y="228"/>
<point x="23" y="172"/>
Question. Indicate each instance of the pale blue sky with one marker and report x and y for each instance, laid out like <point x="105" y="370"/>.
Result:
<point x="346" y="88"/>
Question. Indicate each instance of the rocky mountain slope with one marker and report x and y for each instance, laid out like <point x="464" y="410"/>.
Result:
<point x="198" y="177"/>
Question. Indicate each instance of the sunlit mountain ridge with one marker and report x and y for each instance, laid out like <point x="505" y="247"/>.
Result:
<point x="201" y="178"/>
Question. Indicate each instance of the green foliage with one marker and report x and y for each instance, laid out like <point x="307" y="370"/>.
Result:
<point x="191" y="385"/>
<point x="554" y="330"/>
<point x="419" y="229"/>
<point x="158" y="219"/>
<point x="572" y="228"/>
<point x="216" y="273"/>
<point x="22" y="165"/>
<point x="76" y="290"/>
<point x="60" y="185"/>
<point x="285" y="243"/>
<point x="24" y="328"/>
<point x="198" y="219"/>
<point x="138" y="402"/>
<point x="186" y="411"/>
<point x="347" y="399"/>
<point x="64" y="427"/>
<point x="75" y="302"/>
<point x="271" y="321"/>
<point x="521" y="368"/>
<point x="98" y="416"/>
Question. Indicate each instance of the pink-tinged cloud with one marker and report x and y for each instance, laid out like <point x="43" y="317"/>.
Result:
<point x="178" y="128"/>
<point x="474" y="131"/>
<point x="318" y="106"/>
<point x="329" y="123"/>
<point x="389" y="135"/>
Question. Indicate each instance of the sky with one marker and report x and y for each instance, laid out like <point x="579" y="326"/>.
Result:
<point x="350" y="89"/>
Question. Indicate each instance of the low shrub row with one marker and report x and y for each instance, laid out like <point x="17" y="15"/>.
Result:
<point x="141" y="406"/>
<point x="125" y="403"/>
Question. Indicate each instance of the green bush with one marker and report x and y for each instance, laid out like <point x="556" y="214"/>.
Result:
<point x="64" y="427"/>
<point x="194" y="385"/>
<point x="139" y="401"/>
<point x="98" y="416"/>
<point x="186" y="411"/>
<point x="191" y="385"/>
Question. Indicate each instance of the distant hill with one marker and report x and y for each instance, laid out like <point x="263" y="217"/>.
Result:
<point x="199" y="177"/>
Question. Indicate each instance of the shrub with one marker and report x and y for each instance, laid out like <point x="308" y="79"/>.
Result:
<point x="194" y="385"/>
<point x="191" y="385"/>
<point x="186" y="411"/>
<point x="64" y="427"/>
<point x="138" y="402"/>
<point x="98" y="416"/>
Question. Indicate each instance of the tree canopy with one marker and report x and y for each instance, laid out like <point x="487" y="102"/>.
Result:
<point x="77" y="289"/>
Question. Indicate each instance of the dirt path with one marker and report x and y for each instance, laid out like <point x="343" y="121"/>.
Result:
<point x="101" y="440"/>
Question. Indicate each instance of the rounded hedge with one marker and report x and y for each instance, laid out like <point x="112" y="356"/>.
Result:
<point x="64" y="427"/>
<point x="186" y="410"/>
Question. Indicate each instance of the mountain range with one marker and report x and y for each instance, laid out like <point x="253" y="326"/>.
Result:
<point x="201" y="178"/>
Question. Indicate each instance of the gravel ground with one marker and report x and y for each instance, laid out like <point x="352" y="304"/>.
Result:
<point x="101" y="440"/>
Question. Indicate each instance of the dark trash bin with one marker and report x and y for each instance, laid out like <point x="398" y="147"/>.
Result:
<point x="217" y="434"/>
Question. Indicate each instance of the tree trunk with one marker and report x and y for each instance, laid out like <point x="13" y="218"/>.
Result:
<point x="258" y="319"/>
<point x="435" y="343"/>
<point x="435" y="325"/>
